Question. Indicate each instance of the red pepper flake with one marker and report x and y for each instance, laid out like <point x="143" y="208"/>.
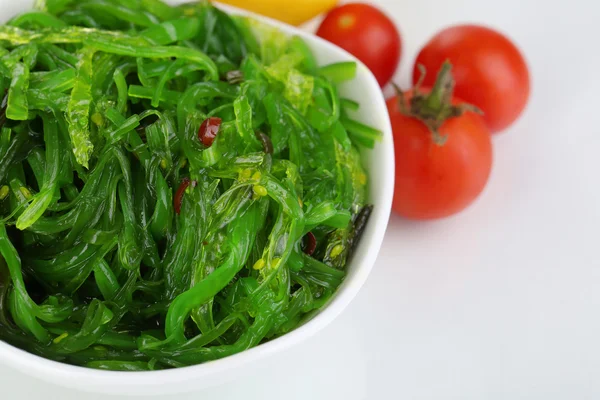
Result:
<point x="208" y="130"/>
<point x="179" y="194"/>
<point x="310" y="244"/>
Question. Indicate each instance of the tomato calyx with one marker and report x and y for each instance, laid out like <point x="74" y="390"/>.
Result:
<point x="435" y="107"/>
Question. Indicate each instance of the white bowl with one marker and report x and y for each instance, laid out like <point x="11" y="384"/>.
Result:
<point x="380" y="164"/>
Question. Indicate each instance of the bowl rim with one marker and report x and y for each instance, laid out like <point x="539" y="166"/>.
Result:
<point x="62" y="373"/>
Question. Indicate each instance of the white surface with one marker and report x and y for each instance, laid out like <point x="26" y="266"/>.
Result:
<point x="499" y="303"/>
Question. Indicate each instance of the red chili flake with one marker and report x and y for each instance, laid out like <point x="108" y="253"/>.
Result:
<point x="310" y="244"/>
<point x="179" y="194"/>
<point x="208" y="130"/>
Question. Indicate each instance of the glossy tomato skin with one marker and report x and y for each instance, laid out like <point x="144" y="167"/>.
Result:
<point x="368" y="34"/>
<point x="489" y="70"/>
<point x="434" y="181"/>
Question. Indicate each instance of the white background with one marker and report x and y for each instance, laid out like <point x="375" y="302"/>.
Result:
<point x="500" y="302"/>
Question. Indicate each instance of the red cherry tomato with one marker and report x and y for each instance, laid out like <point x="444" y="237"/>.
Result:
<point x="368" y="34"/>
<point x="489" y="70"/>
<point x="440" y="174"/>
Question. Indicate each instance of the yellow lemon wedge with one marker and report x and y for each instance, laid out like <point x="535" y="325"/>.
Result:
<point x="292" y="12"/>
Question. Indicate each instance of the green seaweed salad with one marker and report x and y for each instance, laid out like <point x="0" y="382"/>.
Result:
<point x="176" y="184"/>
